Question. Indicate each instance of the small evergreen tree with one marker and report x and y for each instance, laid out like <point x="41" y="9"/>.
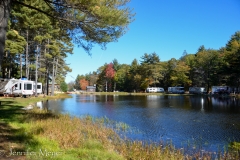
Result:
<point x="64" y="87"/>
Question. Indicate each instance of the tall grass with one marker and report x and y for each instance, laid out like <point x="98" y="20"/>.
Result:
<point x="88" y="138"/>
<point x="80" y="138"/>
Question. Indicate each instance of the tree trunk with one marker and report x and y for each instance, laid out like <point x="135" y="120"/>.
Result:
<point x="56" y="69"/>
<point x="26" y="60"/>
<point x="53" y="78"/>
<point x="9" y="72"/>
<point x="20" y="59"/>
<point x="9" y="57"/>
<point x="54" y="74"/>
<point x="4" y="15"/>
<point x="36" y="72"/>
<point x="47" y="81"/>
<point x="114" y="86"/>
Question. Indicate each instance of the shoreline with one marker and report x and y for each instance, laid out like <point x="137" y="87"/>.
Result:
<point x="146" y="94"/>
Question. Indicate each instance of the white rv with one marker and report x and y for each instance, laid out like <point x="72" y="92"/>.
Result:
<point x="17" y="87"/>
<point x="39" y="88"/>
<point x="6" y="85"/>
<point x="221" y="90"/>
<point x="22" y="88"/>
<point x="155" y="90"/>
<point x="176" y="90"/>
<point x="197" y="90"/>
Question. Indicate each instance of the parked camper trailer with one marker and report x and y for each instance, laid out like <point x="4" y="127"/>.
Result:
<point x="6" y="85"/>
<point x="197" y="90"/>
<point x="39" y="88"/>
<point x="18" y="87"/>
<point x="176" y="90"/>
<point x="22" y="88"/>
<point x="155" y="90"/>
<point x="219" y="90"/>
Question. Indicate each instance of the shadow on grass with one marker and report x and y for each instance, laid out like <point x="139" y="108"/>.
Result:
<point x="13" y="135"/>
<point x="9" y="111"/>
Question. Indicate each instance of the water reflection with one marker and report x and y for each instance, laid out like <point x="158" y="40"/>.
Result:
<point x="40" y="105"/>
<point x="209" y="122"/>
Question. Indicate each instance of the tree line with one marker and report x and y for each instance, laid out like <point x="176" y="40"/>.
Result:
<point x="37" y="36"/>
<point x="205" y="68"/>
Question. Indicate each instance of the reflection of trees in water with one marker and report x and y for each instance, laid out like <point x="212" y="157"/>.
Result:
<point x="86" y="98"/>
<point x="209" y="103"/>
<point x="178" y="101"/>
<point x="206" y="103"/>
<point x="50" y="105"/>
<point x="200" y="103"/>
<point x="46" y="105"/>
<point x="226" y="104"/>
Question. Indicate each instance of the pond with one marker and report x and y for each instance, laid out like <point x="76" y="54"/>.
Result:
<point x="209" y="123"/>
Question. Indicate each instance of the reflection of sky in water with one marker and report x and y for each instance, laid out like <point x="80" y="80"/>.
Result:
<point x="204" y="121"/>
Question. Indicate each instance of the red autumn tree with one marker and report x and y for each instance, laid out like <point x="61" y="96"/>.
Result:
<point x="83" y="84"/>
<point x="110" y="72"/>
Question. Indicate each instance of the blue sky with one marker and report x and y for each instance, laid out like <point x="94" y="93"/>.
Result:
<point x="166" y="27"/>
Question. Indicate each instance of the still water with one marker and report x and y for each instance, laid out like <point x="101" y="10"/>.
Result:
<point x="209" y="123"/>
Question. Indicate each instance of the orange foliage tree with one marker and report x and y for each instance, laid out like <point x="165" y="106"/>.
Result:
<point x="83" y="84"/>
<point x="110" y="72"/>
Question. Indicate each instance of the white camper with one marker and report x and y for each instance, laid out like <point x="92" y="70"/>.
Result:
<point x="221" y="90"/>
<point x="6" y="85"/>
<point x="197" y="90"/>
<point x="176" y="90"/>
<point x="39" y="88"/>
<point x="16" y="87"/>
<point x="22" y="88"/>
<point x="155" y="90"/>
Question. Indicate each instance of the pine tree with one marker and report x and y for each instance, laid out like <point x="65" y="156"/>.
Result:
<point x="86" y="22"/>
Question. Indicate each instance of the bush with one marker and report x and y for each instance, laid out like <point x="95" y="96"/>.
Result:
<point x="64" y="87"/>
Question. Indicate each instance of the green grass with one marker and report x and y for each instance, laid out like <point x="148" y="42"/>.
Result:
<point x="39" y="135"/>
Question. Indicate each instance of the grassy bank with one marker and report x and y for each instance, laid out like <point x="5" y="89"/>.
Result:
<point x="38" y="134"/>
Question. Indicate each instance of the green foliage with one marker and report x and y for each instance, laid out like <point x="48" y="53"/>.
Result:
<point x="15" y="43"/>
<point x="235" y="146"/>
<point x="42" y="70"/>
<point x="151" y="69"/>
<point x="144" y="84"/>
<point x="180" y="76"/>
<point x="152" y="58"/>
<point x="101" y="81"/>
<point x="231" y="57"/>
<point x="120" y="77"/>
<point x="64" y="86"/>
<point x="32" y="66"/>
<point x="207" y="61"/>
